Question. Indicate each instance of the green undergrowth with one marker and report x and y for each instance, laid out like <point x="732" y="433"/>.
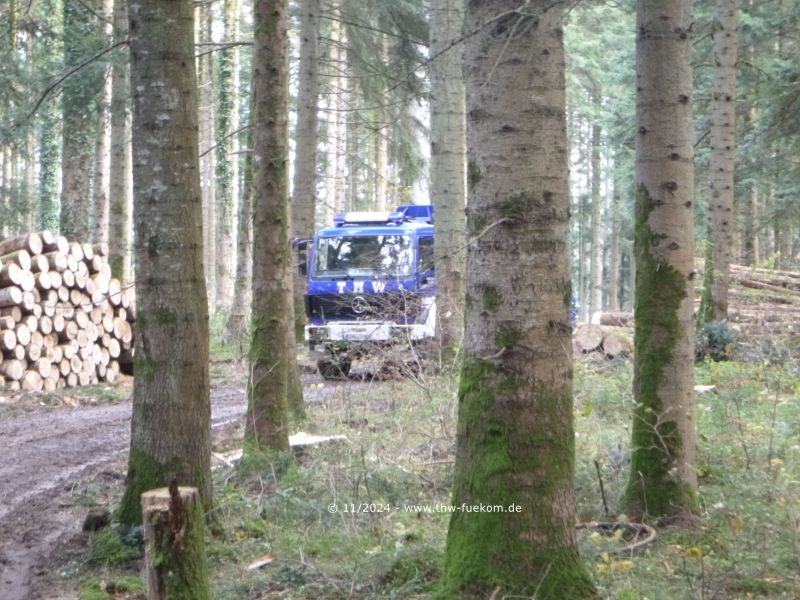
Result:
<point x="358" y="519"/>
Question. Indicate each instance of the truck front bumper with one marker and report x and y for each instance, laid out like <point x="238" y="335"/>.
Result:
<point x="321" y="338"/>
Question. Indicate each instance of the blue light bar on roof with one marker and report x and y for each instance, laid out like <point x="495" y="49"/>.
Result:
<point x="408" y="212"/>
<point x="416" y="212"/>
<point x="361" y="218"/>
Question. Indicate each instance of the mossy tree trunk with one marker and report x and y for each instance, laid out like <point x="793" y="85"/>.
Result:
<point x="170" y="432"/>
<point x="515" y="443"/>
<point x="722" y="221"/>
<point x="662" y="478"/>
<point x="304" y="188"/>
<point x="267" y="415"/>
<point x="448" y="166"/>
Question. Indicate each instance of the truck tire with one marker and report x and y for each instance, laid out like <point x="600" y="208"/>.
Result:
<point x="334" y="368"/>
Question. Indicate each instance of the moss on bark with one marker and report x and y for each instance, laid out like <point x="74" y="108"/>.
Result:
<point x="657" y="442"/>
<point x="181" y="565"/>
<point x="145" y="473"/>
<point x="504" y="464"/>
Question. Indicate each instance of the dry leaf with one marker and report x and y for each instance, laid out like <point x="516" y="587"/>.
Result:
<point x="260" y="562"/>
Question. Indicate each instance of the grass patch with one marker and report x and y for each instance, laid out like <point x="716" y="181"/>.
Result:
<point x="118" y="586"/>
<point x="110" y="548"/>
<point x="349" y="520"/>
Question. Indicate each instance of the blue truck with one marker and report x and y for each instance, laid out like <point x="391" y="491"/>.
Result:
<point x="370" y="285"/>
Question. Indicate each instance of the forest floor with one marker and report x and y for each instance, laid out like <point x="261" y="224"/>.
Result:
<point x="63" y="456"/>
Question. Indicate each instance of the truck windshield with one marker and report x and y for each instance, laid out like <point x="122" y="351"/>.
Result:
<point x="364" y="256"/>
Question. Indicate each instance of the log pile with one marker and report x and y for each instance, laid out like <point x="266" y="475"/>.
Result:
<point x="762" y="302"/>
<point x="64" y="321"/>
<point x="602" y="341"/>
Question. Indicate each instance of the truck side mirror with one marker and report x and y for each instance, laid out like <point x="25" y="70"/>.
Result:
<point x="300" y="246"/>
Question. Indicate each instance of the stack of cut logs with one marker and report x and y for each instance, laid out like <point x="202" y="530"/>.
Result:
<point x="64" y="321"/>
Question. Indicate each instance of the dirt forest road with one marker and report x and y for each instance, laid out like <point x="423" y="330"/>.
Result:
<point x="45" y="456"/>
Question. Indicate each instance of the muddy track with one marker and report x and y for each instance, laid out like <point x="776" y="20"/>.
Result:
<point x="44" y="456"/>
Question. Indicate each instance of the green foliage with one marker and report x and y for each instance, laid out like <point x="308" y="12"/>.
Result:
<point x="111" y="587"/>
<point x="715" y="340"/>
<point x="109" y="548"/>
<point x="414" y="571"/>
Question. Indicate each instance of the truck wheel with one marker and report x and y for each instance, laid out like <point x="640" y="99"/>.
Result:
<point x="333" y="368"/>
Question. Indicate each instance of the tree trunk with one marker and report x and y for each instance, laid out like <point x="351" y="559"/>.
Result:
<point x="304" y="187"/>
<point x="447" y="167"/>
<point x="102" y="158"/>
<point x="381" y="131"/>
<point x="596" y="292"/>
<point x="267" y="416"/>
<point x="205" y="69"/>
<point x="121" y="198"/>
<point x="714" y="306"/>
<point x="615" y="243"/>
<point x="79" y="101"/>
<point x="663" y="480"/>
<point x="49" y="156"/>
<point x="226" y="174"/>
<point x="170" y="433"/>
<point x="515" y="442"/>
<point x="342" y="131"/>
<point x="238" y="318"/>
<point x="174" y="543"/>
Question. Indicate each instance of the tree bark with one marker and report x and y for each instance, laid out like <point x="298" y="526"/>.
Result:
<point x="722" y="223"/>
<point x="121" y="199"/>
<point x="663" y="480"/>
<point x="304" y="187"/>
<point x="174" y="542"/>
<point x="267" y="415"/>
<point x="102" y="157"/>
<point x="79" y="101"/>
<point x="515" y="442"/>
<point x="206" y="117"/>
<point x="448" y="167"/>
<point x="596" y="252"/>
<point x="49" y="156"/>
<point x="238" y="318"/>
<point x="615" y="243"/>
<point x="226" y="158"/>
<point x="170" y="434"/>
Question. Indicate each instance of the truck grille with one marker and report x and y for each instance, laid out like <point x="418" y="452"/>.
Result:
<point x="400" y="308"/>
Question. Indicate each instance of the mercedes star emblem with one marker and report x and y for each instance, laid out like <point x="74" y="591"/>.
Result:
<point x="359" y="305"/>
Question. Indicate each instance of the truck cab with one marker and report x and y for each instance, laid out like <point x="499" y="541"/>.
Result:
<point x="370" y="284"/>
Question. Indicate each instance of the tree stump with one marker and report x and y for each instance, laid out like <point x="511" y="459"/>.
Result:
<point x="175" y="552"/>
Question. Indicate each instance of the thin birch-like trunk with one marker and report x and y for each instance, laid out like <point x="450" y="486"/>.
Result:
<point x="121" y="189"/>
<point x="448" y="166"/>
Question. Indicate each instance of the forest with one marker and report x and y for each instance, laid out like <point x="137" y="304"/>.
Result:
<point x="585" y="384"/>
